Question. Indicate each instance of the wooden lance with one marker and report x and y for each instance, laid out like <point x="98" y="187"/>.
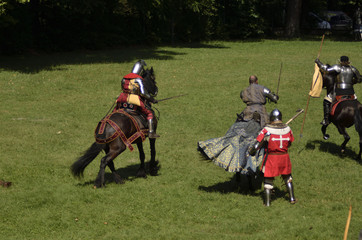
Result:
<point x="306" y="108"/>
<point x="295" y="116"/>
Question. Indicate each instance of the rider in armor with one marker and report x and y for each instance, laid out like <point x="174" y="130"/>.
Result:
<point x="255" y="98"/>
<point x="347" y="75"/>
<point x="278" y="137"/>
<point x="133" y="92"/>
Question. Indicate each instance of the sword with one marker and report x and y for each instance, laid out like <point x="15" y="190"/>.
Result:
<point x="295" y="116"/>
<point x="164" y="99"/>
<point x="280" y="73"/>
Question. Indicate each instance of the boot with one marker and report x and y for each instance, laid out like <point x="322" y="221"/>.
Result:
<point x="151" y="132"/>
<point x="291" y="191"/>
<point x="267" y="196"/>
<point x="327" y="110"/>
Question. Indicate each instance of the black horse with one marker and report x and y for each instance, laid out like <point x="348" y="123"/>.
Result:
<point x="116" y="132"/>
<point x="346" y="114"/>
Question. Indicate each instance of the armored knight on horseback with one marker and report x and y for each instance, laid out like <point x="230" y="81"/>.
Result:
<point x="135" y="93"/>
<point x="255" y="98"/>
<point x="347" y="76"/>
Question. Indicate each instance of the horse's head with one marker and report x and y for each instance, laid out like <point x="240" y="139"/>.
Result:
<point x="149" y="80"/>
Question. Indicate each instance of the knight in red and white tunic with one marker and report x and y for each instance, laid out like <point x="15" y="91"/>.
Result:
<point x="277" y="161"/>
<point x="278" y="137"/>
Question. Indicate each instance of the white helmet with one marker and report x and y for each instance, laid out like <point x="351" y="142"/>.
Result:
<point x="138" y="67"/>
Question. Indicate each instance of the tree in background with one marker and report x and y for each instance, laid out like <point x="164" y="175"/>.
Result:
<point x="58" y="25"/>
<point x="294" y="13"/>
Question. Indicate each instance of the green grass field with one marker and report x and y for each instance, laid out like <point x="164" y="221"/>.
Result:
<point x="51" y="104"/>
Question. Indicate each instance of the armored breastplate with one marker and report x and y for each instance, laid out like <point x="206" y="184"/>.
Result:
<point x="345" y="78"/>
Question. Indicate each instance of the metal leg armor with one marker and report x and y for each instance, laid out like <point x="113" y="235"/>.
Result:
<point x="151" y="132"/>
<point x="326" y="110"/>
<point x="290" y="188"/>
<point x="268" y="187"/>
<point x="267" y="197"/>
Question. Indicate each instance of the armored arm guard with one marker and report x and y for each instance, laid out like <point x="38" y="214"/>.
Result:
<point x="328" y="68"/>
<point x="257" y="145"/>
<point x="321" y="66"/>
<point x="318" y="62"/>
<point x="273" y="97"/>
<point x="253" y="148"/>
<point x="357" y="75"/>
<point x="144" y="93"/>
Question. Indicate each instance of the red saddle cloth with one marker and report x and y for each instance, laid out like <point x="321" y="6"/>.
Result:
<point x="340" y="99"/>
<point x="118" y="131"/>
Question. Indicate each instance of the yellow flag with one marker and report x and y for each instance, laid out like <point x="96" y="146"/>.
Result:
<point x="317" y="83"/>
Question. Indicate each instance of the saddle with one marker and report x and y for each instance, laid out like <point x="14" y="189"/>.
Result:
<point x="340" y="99"/>
<point x="137" y="119"/>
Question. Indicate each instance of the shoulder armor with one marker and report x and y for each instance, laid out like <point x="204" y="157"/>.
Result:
<point x="335" y="68"/>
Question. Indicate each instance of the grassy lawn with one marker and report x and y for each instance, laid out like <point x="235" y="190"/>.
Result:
<point x="51" y="104"/>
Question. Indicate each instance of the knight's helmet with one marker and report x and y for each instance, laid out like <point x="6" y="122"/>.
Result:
<point x="344" y="59"/>
<point x="138" y="67"/>
<point x="275" y="115"/>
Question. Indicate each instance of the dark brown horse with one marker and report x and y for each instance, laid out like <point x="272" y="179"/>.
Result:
<point x="346" y="114"/>
<point x="116" y="132"/>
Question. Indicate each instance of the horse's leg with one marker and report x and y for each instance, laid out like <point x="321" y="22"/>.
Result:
<point x="116" y="147"/>
<point x="251" y="178"/>
<point x="141" y="171"/>
<point x="99" y="182"/>
<point x="153" y="163"/>
<point x="360" y="148"/>
<point x="358" y="126"/>
<point x="238" y="177"/>
<point x="116" y="177"/>
<point x="342" y="131"/>
<point x="324" y="129"/>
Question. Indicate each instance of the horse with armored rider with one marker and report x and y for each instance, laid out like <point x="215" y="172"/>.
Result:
<point x="340" y="104"/>
<point x="131" y="121"/>
<point x="255" y="139"/>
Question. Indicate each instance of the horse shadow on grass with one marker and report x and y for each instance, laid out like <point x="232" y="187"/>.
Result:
<point x="240" y="184"/>
<point x="128" y="174"/>
<point x="332" y="148"/>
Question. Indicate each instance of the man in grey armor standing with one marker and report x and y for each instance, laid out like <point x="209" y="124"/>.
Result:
<point x="347" y="76"/>
<point x="255" y="98"/>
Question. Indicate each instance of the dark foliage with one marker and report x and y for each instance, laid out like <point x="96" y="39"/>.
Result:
<point x="64" y="25"/>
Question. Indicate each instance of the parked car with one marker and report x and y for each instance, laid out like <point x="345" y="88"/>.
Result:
<point x="358" y="32"/>
<point x="339" y="21"/>
<point x="317" y="22"/>
<point x="314" y="24"/>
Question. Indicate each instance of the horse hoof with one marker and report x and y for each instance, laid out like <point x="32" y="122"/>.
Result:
<point x="325" y="137"/>
<point x="119" y="181"/>
<point x="153" y="168"/>
<point x="95" y="186"/>
<point x="343" y="150"/>
<point x="141" y="173"/>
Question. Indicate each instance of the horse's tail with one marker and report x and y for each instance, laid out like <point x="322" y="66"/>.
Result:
<point x="358" y="118"/>
<point x="82" y="162"/>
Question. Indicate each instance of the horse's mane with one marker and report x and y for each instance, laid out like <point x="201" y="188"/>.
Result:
<point x="149" y="78"/>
